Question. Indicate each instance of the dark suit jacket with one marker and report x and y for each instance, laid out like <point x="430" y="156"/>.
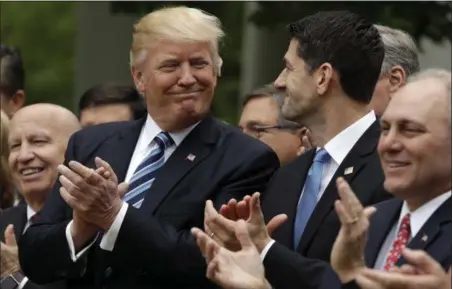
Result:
<point x="434" y="238"/>
<point x="283" y="193"/>
<point x="154" y="248"/>
<point x="17" y="216"/>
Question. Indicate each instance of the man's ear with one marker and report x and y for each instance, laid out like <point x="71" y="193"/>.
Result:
<point x="397" y="78"/>
<point x="138" y="80"/>
<point x="18" y="100"/>
<point x="323" y="77"/>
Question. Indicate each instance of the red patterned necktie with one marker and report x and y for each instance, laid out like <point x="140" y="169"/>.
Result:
<point x="400" y="242"/>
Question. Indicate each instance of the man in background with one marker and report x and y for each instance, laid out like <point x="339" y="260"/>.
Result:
<point x="262" y="118"/>
<point x="110" y="102"/>
<point x="37" y="141"/>
<point x="12" y="80"/>
<point x="400" y="62"/>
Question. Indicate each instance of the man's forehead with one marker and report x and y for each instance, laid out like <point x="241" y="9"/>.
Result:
<point x="417" y="101"/>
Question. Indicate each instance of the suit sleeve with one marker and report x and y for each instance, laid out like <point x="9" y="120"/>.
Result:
<point x="43" y="250"/>
<point x="286" y="269"/>
<point x="158" y="248"/>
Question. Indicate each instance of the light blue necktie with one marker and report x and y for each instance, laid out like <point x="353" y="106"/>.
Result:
<point x="144" y="175"/>
<point x="310" y="195"/>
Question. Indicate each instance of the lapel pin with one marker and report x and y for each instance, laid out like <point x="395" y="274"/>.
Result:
<point x="425" y="238"/>
<point x="348" y="171"/>
<point x="190" y="157"/>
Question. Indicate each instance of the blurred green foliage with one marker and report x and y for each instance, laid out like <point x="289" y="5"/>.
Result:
<point x="45" y="33"/>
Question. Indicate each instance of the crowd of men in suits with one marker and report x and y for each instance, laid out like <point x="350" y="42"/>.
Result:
<point x="340" y="177"/>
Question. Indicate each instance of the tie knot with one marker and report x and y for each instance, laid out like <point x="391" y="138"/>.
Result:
<point x="322" y="156"/>
<point x="163" y="140"/>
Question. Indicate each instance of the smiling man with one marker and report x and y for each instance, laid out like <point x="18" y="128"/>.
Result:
<point x="174" y="159"/>
<point x="37" y="142"/>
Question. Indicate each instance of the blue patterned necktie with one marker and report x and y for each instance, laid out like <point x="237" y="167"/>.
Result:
<point x="310" y="195"/>
<point x="144" y="175"/>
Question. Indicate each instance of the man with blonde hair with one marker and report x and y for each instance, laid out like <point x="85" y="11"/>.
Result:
<point x="131" y="227"/>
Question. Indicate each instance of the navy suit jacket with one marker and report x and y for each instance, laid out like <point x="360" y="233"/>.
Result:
<point x="302" y="272"/>
<point x="154" y="248"/>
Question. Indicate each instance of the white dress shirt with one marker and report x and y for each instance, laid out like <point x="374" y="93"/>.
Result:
<point x="338" y="148"/>
<point x="418" y="218"/>
<point x="143" y="147"/>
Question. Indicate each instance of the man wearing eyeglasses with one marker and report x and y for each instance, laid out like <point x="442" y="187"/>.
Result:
<point x="261" y="118"/>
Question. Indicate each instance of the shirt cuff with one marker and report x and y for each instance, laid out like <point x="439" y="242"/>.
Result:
<point x="74" y="256"/>
<point x="266" y="249"/>
<point x="109" y="239"/>
<point x="22" y="283"/>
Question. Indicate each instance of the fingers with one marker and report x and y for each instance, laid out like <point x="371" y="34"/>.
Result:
<point x="101" y="163"/>
<point x="243" y="208"/>
<point x="276" y="222"/>
<point x="73" y="178"/>
<point x="422" y="261"/>
<point x="70" y="200"/>
<point x="388" y="279"/>
<point x="10" y="238"/>
<point x="89" y="175"/>
<point x="243" y="236"/>
<point x="307" y="140"/>
<point x="201" y="239"/>
<point x="353" y="209"/>
<point x="255" y="209"/>
<point x="122" y="189"/>
<point x="366" y="283"/>
<point x="231" y="212"/>
<point x="70" y="188"/>
<point x="219" y="225"/>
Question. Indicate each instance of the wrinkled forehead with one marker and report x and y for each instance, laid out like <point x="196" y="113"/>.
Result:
<point x="27" y="127"/>
<point x="422" y="101"/>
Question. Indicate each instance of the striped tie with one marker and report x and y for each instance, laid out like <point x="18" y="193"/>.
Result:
<point x="144" y="175"/>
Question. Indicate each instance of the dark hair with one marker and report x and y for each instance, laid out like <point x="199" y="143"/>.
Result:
<point x="269" y="90"/>
<point x="351" y="44"/>
<point x="110" y="93"/>
<point x="12" y="70"/>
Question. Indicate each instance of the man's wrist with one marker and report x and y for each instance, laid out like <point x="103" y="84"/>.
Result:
<point x="12" y="281"/>
<point x="261" y="244"/>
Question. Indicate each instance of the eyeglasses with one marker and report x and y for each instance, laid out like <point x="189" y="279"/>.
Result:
<point x="257" y="130"/>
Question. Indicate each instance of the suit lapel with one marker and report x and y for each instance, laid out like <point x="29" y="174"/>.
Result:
<point x="380" y="225"/>
<point x="430" y="230"/>
<point x="355" y="159"/>
<point x="199" y="144"/>
<point x="120" y="148"/>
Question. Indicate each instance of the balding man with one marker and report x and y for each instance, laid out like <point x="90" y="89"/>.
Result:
<point x="37" y="141"/>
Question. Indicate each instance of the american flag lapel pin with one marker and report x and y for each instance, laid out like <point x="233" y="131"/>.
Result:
<point x="425" y="238"/>
<point x="190" y="157"/>
<point x="348" y="171"/>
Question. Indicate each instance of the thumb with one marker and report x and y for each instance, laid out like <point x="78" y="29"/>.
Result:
<point x="421" y="260"/>
<point x="369" y="211"/>
<point x="10" y="238"/>
<point x="122" y="189"/>
<point x="242" y="234"/>
<point x="276" y="222"/>
<point x="255" y="208"/>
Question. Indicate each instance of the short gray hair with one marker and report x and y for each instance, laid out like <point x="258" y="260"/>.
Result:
<point x="269" y="90"/>
<point x="442" y="75"/>
<point x="400" y="49"/>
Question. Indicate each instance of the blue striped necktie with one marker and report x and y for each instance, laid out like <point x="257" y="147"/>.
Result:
<point x="144" y="175"/>
<point x="310" y="195"/>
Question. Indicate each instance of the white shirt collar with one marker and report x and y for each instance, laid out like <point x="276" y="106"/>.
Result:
<point x="339" y="146"/>
<point x="30" y="213"/>
<point x="419" y="217"/>
<point x="150" y="130"/>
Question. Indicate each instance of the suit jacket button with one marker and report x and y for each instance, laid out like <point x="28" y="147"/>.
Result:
<point x="108" y="272"/>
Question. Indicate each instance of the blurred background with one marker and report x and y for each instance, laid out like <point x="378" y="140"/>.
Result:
<point x="68" y="47"/>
